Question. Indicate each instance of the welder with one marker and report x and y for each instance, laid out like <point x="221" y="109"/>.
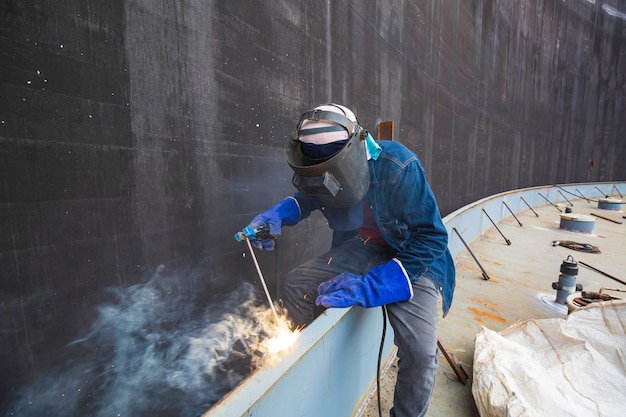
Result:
<point x="389" y="243"/>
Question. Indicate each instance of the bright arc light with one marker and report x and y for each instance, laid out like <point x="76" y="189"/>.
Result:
<point x="283" y="340"/>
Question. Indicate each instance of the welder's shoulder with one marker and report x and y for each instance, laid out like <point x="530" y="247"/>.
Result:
<point x="397" y="152"/>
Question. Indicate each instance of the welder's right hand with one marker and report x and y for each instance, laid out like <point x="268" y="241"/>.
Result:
<point x="284" y="213"/>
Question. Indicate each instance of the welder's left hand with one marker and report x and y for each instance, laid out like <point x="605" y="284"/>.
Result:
<point x="385" y="284"/>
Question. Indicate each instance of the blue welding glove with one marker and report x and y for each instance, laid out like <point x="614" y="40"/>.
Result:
<point x="284" y="213"/>
<point x="385" y="284"/>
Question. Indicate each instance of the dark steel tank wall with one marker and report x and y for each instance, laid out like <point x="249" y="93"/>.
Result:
<point x="67" y="174"/>
<point x="141" y="133"/>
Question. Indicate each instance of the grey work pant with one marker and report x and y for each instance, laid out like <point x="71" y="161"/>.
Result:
<point x="414" y="321"/>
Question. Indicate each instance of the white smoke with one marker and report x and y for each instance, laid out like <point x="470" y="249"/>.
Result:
<point x="162" y="349"/>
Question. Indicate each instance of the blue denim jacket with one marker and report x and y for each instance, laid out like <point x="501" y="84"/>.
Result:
<point x="407" y="215"/>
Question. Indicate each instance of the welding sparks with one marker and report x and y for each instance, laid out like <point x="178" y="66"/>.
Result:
<point x="282" y="337"/>
<point x="282" y="341"/>
<point x="330" y="260"/>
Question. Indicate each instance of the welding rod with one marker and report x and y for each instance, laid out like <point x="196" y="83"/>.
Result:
<point x="509" y="208"/>
<point x="553" y="205"/>
<point x="258" y="269"/>
<point x="531" y="209"/>
<point x="602" y="272"/>
<point x="508" y="242"/>
<point x="581" y="194"/>
<point x="485" y="275"/>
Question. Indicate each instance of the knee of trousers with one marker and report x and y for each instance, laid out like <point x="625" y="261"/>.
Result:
<point x="423" y="354"/>
<point x="299" y="300"/>
<point x="296" y="291"/>
<point x="419" y="359"/>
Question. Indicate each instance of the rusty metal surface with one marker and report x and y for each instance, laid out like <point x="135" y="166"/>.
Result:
<point x="519" y="289"/>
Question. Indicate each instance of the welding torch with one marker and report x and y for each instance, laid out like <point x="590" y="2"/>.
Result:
<point x="259" y="233"/>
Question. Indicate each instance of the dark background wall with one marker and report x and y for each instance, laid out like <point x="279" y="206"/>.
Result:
<point x="138" y="133"/>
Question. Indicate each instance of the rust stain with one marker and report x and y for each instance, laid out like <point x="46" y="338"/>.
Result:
<point x="485" y="303"/>
<point x="488" y="315"/>
<point x="467" y="268"/>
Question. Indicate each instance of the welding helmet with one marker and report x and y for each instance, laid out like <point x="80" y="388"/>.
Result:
<point x="327" y="154"/>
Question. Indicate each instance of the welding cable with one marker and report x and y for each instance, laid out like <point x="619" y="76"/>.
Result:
<point x="380" y="356"/>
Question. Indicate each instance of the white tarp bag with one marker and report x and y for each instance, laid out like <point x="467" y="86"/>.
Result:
<point x="572" y="366"/>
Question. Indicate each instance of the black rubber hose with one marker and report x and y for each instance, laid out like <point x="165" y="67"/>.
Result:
<point x="380" y="357"/>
